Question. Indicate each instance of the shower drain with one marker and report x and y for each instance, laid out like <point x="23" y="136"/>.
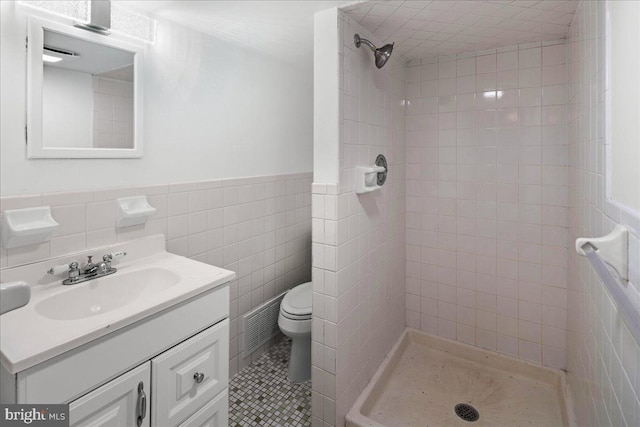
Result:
<point x="467" y="412"/>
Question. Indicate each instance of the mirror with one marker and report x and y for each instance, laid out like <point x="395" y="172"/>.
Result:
<point x="84" y="94"/>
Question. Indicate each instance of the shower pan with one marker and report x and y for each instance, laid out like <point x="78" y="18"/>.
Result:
<point x="426" y="380"/>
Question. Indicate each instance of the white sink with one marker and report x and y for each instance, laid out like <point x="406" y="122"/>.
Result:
<point x="104" y="294"/>
<point x="60" y="318"/>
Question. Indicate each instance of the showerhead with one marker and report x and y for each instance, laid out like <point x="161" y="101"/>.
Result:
<point x="382" y="54"/>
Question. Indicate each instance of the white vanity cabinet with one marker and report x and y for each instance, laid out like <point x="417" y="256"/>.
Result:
<point x="180" y="356"/>
<point x="146" y="346"/>
<point x="167" y="390"/>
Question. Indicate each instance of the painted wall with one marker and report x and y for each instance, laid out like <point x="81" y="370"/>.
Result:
<point x="603" y="358"/>
<point x="358" y="240"/>
<point x="212" y="110"/>
<point x="625" y="102"/>
<point x="487" y="200"/>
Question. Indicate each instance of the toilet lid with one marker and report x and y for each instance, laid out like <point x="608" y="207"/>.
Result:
<point x="298" y="300"/>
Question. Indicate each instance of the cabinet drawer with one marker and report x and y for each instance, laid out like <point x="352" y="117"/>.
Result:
<point x="189" y="375"/>
<point x="214" y="413"/>
<point x="117" y="403"/>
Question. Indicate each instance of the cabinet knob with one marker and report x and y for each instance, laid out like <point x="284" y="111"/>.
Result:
<point x="198" y="377"/>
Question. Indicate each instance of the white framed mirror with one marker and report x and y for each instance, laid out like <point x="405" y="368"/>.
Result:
<point x="84" y="94"/>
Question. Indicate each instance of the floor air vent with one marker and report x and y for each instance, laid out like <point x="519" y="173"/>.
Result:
<point x="261" y="324"/>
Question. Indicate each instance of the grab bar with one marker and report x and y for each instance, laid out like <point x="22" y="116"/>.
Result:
<point x="627" y="309"/>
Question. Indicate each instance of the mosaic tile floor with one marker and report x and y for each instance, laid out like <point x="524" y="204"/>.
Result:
<point x="261" y="394"/>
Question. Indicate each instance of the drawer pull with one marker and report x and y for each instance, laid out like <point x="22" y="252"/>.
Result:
<point x="142" y="404"/>
<point x="199" y="377"/>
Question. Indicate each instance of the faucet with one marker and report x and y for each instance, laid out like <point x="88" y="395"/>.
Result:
<point x="90" y="268"/>
<point x="90" y="271"/>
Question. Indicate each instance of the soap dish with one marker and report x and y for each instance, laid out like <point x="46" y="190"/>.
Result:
<point x="133" y="211"/>
<point x="23" y="227"/>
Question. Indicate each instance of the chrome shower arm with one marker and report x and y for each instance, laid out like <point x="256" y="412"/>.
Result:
<point x="358" y="40"/>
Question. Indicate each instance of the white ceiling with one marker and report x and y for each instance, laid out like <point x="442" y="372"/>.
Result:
<point x="281" y="28"/>
<point x="422" y="28"/>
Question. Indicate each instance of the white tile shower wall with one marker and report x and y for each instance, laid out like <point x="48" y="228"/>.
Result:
<point x="113" y="113"/>
<point x="358" y="241"/>
<point x="259" y="227"/>
<point x="487" y="200"/>
<point x="603" y="358"/>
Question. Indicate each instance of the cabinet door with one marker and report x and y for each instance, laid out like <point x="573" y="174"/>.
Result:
<point x="190" y="375"/>
<point x="214" y="414"/>
<point x="120" y="402"/>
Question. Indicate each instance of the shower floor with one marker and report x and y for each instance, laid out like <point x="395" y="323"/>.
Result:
<point x="425" y="377"/>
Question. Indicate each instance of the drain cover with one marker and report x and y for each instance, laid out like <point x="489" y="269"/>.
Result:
<point x="467" y="412"/>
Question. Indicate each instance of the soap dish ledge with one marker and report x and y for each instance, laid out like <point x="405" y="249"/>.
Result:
<point x="133" y="211"/>
<point x="29" y="226"/>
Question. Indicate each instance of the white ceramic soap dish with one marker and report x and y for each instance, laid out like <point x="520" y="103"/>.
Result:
<point x="133" y="211"/>
<point x="23" y="227"/>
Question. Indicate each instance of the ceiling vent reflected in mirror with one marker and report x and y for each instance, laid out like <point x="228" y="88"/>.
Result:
<point x="53" y="55"/>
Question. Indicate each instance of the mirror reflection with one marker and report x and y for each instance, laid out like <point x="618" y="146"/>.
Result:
<point x="87" y="94"/>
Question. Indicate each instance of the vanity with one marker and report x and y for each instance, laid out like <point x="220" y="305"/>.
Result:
<point x="145" y="346"/>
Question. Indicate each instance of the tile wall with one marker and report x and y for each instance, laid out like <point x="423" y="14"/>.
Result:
<point x="487" y="200"/>
<point x="259" y="227"/>
<point x="113" y="113"/>
<point x="603" y="358"/>
<point x="358" y="241"/>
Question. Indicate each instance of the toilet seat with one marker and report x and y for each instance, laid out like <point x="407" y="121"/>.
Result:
<point x="295" y="317"/>
<point x="296" y="304"/>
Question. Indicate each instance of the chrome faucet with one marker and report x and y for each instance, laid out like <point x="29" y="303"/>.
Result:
<point x="90" y="271"/>
<point x="90" y="268"/>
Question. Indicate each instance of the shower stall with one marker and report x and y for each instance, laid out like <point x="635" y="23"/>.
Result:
<point x="495" y="148"/>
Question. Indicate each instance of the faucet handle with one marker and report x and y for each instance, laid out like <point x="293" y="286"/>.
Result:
<point x="115" y="255"/>
<point x="72" y="268"/>
<point x="58" y="269"/>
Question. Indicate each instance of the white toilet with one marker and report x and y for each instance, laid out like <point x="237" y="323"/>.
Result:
<point x="295" y="322"/>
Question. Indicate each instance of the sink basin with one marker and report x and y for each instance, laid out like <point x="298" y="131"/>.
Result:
<point x="105" y="294"/>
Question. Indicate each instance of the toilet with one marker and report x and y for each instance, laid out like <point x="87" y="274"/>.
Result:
<point x="295" y="322"/>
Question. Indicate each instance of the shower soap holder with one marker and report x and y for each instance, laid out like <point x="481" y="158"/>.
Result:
<point x="23" y="227"/>
<point x="133" y="211"/>
<point x="612" y="248"/>
<point x="371" y="178"/>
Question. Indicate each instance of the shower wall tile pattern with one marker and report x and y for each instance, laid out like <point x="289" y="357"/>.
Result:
<point x="113" y="113"/>
<point x="430" y="28"/>
<point x="603" y="357"/>
<point x="487" y="200"/>
<point x="259" y="227"/>
<point x="358" y="240"/>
